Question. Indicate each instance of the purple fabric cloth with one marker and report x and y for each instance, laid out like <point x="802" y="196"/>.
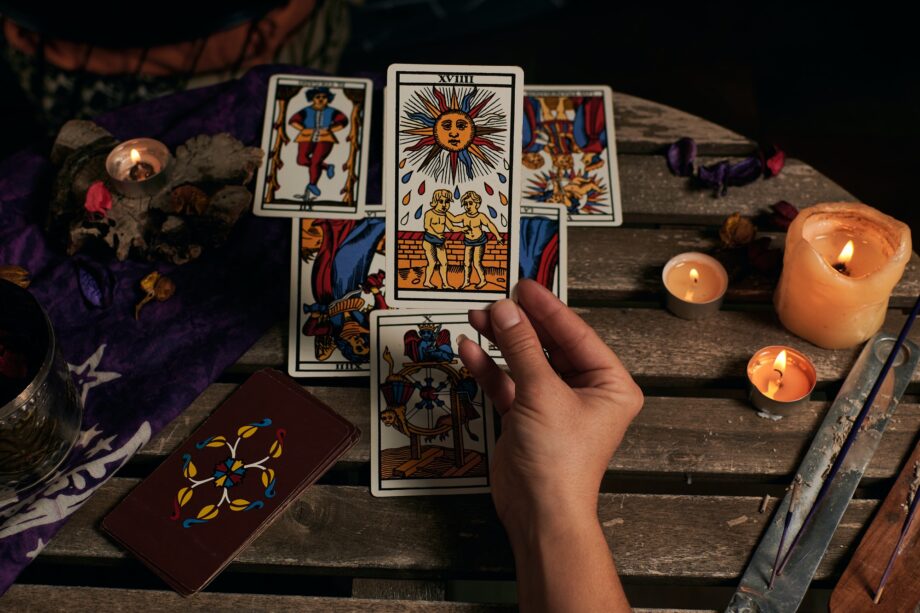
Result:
<point x="136" y="376"/>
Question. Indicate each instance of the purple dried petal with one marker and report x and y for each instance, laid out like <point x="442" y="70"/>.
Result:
<point x="783" y="214"/>
<point x="714" y="176"/>
<point x="681" y="155"/>
<point x="744" y="172"/>
<point x="97" y="283"/>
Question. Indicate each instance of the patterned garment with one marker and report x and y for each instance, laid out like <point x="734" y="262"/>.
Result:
<point x="136" y="376"/>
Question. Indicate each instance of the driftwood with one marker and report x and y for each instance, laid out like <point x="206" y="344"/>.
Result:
<point x="199" y="204"/>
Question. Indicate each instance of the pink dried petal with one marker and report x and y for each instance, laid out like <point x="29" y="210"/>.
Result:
<point x="783" y="214"/>
<point x="98" y="199"/>
<point x="681" y="155"/>
<point x="774" y="162"/>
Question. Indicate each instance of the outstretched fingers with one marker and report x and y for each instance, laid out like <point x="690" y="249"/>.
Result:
<point x="573" y="345"/>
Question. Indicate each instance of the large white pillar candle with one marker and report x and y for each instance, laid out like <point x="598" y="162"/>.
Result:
<point x="841" y="262"/>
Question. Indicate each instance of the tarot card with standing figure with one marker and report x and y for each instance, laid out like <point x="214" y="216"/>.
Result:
<point x="432" y="428"/>
<point x="337" y="279"/>
<point x="569" y="154"/>
<point x="314" y="138"/>
<point x="452" y="185"/>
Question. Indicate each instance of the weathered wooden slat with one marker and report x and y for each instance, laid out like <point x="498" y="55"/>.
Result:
<point x="398" y="589"/>
<point x="36" y="598"/>
<point x="681" y="539"/>
<point x="663" y="350"/>
<point x="672" y="435"/>
<point x="651" y="194"/>
<point x="607" y="264"/>
<point x="40" y="598"/>
<point x="643" y="126"/>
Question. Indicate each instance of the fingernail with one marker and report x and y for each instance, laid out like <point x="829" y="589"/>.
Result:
<point x="460" y="339"/>
<point x="505" y="314"/>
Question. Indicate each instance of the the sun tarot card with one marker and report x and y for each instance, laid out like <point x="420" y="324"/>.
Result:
<point x="452" y="183"/>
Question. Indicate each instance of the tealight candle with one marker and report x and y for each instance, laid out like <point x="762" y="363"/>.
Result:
<point x="780" y="378"/>
<point x="841" y="262"/>
<point x="695" y="284"/>
<point x="137" y="167"/>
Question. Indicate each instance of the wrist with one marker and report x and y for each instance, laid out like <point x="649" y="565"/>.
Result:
<point x="538" y="525"/>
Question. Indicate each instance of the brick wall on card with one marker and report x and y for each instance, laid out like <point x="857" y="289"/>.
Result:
<point x="412" y="254"/>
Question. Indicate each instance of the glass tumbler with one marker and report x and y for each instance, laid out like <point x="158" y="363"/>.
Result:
<point x="40" y="411"/>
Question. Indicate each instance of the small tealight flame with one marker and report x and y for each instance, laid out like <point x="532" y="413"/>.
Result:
<point x="135" y="156"/>
<point x="779" y="364"/>
<point x="694" y="275"/>
<point x="779" y="368"/>
<point x="846" y="254"/>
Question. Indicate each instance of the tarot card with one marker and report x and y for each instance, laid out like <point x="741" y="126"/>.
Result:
<point x="544" y="252"/>
<point x="226" y="483"/>
<point x="544" y="247"/>
<point x="337" y="279"/>
<point x="432" y="427"/>
<point x="569" y="154"/>
<point x="452" y="186"/>
<point x="314" y="137"/>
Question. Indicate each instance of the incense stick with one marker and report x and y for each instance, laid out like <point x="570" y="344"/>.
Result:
<point x="911" y="512"/>
<point x="853" y="434"/>
<point x="793" y="503"/>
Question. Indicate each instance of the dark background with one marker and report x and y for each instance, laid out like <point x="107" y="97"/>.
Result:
<point x="835" y="86"/>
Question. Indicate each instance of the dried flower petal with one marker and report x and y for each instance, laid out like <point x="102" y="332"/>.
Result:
<point x="763" y="258"/>
<point x="744" y="172"/>
<point x="681" y="156"/>
<point x="98" y="199"/>
<point x="737" y="230"/>
<point x="783" y="214"/>
<point x="15" y="274"/>
<point x="156" y="286"/>
<point x="774" y="160"/>
<point x="96" y="282"/>
<point x="722" y="174"/>
<point x="164" y="289"/>
<point x="714" y="176"/>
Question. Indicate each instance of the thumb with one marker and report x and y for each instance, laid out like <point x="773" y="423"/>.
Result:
<point x="519" y="344"/>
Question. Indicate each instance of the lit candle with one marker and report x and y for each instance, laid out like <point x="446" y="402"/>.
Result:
<point x="695" y="284"/>
<point x="841" y="262"/>
<point x="781" y="378"/>
<point x="137" y="167"/>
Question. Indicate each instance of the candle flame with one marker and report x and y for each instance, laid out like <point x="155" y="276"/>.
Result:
<point x="135" y="156"/>
<point x="779" y="364"/>
<point x="694" y="275"/>
<point x="846" y="254"/>
<point x="779" y="368"/>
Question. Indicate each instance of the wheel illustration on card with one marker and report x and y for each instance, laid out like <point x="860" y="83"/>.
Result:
<point x="431" y="401"/>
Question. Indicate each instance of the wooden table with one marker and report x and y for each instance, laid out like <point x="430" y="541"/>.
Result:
<point x="681" y="501"/>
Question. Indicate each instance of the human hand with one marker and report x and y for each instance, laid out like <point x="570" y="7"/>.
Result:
<point x="562" y="418"/>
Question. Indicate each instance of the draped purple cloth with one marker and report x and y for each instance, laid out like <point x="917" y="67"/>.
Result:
<point x="136" y="376"/>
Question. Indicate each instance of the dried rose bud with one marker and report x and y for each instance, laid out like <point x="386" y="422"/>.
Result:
<point x="15" y="274"/>
<point x="164" y="289"/>
<point x="156" y="286"/>
<point x="188" y="199"/>
<point x="737" y="230"/>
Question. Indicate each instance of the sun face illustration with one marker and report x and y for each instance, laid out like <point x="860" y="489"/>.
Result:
<point x="453" y="134"/>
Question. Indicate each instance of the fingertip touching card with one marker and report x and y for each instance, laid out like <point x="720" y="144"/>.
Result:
<point x="569" y="154"/>
<point x="315" y="138"/>
<point x="452" y="189"/>
<point x="432" y="427"/>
